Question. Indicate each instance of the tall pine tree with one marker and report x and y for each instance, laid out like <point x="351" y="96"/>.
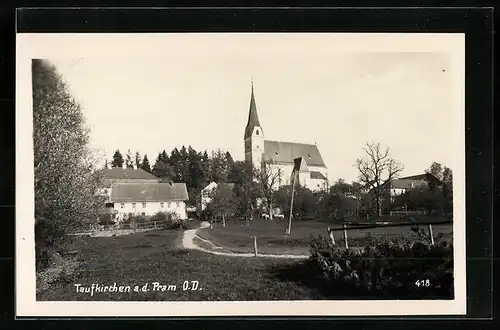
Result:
<point x="145" y="164"/>
<point x="117" y="159"/>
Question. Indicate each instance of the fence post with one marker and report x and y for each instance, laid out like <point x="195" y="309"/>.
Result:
<point x="431" y="236"/>
<point x="345" y="236"/>
<point x="330" y="233"/>
<point x="255" y="245"/>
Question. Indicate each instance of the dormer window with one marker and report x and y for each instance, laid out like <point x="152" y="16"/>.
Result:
<point x="276" y="153"/>
<point x="309" y="155"/>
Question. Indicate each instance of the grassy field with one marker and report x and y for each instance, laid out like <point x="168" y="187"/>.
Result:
<point x="271" y="238"/>
<point x="154" y="256"/>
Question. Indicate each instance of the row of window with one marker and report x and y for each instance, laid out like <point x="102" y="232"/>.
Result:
<point x="162" y="205"/>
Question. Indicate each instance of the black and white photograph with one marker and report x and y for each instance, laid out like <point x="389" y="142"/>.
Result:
<point x="258" y="173"/>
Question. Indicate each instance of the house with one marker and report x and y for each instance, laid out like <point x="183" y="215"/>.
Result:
<point x="392" y="189"/>
<point x="402" y="185"/>
<point x="124" y="174"/>
<point x="314" y="180"/>
<point x="205" y="198"/>
<point x="280" y="156"/>
<point x="148" y="198"/>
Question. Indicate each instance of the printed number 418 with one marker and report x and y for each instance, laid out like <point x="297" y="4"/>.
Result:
<point x="423" y="283"/>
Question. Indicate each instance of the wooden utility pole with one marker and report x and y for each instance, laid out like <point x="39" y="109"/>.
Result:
<point x="289" y="229"/>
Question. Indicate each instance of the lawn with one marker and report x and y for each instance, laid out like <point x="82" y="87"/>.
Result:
<point x="154" y="256"/>
<point x="271" y="238"/>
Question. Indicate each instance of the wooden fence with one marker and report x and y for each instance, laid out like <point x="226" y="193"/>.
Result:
<point x="361" y="226"/>
<point x="132" y="225"/>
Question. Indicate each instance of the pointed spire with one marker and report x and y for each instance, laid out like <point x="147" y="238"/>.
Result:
<point x="253" y="118"/>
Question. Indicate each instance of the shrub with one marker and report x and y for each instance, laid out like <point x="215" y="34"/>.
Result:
<point x="386" y="269"/>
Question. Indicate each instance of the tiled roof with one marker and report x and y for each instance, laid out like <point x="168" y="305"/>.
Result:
<point x="253" y="117"/>
<point x="317" y="175"/>
<point x="286" y="152"/>
<point x="148" y="192"/>
<point x="414" y="181"/>
<point x="118" y="173"/>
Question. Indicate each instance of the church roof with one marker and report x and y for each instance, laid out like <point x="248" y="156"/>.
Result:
<point x="286" y="152"/>
<point x="253" y="117"/>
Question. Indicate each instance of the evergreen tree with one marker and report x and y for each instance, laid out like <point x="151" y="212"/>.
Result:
<point x="145" y="164"/>
<point x="117" y="159"/>
<point x="137" y="160"/>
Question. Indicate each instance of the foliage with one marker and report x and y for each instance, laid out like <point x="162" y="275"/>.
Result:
<point x="246" y="190"/>
<point x="66" y="180"/>
<point x="376" y="169"/>
<point x="117" y="159"/>
<point x="388" y="268"/>
<point x="268" y="177"/>
<point x="145" y="164"/>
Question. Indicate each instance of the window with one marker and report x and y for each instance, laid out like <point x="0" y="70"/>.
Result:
<point x="162" y="205"/>
<point x="169" y="204"/>
<point x="143" y="214"/>
<point x="143" y="205"/>
<point x="177" y="204"/>
<point x="133" y="205"/>
<point x="257" y="132"/>
<point x="122" y="205"/>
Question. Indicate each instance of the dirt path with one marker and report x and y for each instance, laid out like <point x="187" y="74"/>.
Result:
<point x="188" y="242"/>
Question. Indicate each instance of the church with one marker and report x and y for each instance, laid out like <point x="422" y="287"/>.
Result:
<point x="289" y="157"/>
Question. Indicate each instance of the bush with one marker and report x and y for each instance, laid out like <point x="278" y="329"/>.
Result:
<point x="386" y="269"/>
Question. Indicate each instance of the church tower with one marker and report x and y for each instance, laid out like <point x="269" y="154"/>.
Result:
<point x="254" y="136"/>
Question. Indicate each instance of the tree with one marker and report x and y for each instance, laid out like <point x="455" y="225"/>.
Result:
<point x="376" y="170"/>
<point x="268" y="177"/>
<point x="117" y="159"/>
<point x="436" y="170"/>
<point x="66" y="177"/>
<point x="128" y="159"/>
<point x="448" y="189"/>
<point x="246" y="190"/>
<point x="218" y="166"/>
<point x="137" y="160"/>
<point x="222" y="202"/>
<point x="145" y="164"/>
<point x="163" y="171"/>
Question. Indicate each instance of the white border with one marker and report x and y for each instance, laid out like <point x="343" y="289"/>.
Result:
<point x="78" y="45"/>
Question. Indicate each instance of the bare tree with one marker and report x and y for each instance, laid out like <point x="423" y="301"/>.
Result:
<point x="376" y="170"/>
<point x="268" y="177"/>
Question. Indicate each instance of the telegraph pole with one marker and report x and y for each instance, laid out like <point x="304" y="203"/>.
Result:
<point x="289" y="229"/>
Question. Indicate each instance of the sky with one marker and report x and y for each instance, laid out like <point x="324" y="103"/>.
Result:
<point x="198" y="94"/>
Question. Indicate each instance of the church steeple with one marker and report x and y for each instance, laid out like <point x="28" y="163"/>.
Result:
<point x="253" y="117"/>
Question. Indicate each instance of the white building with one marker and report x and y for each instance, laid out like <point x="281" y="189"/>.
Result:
<point x="281" y="155"/>
<point x="145" y="198"/>
<point x="206" y="192"/>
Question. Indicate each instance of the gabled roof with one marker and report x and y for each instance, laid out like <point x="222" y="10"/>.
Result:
<point x="253" y="117"/>
<point x="148" y="192"/>
<point x="285" y="153"/>
<point x="317" y="175"/>
<point x="119" y="173"/>
<point x="414" y="181"/>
